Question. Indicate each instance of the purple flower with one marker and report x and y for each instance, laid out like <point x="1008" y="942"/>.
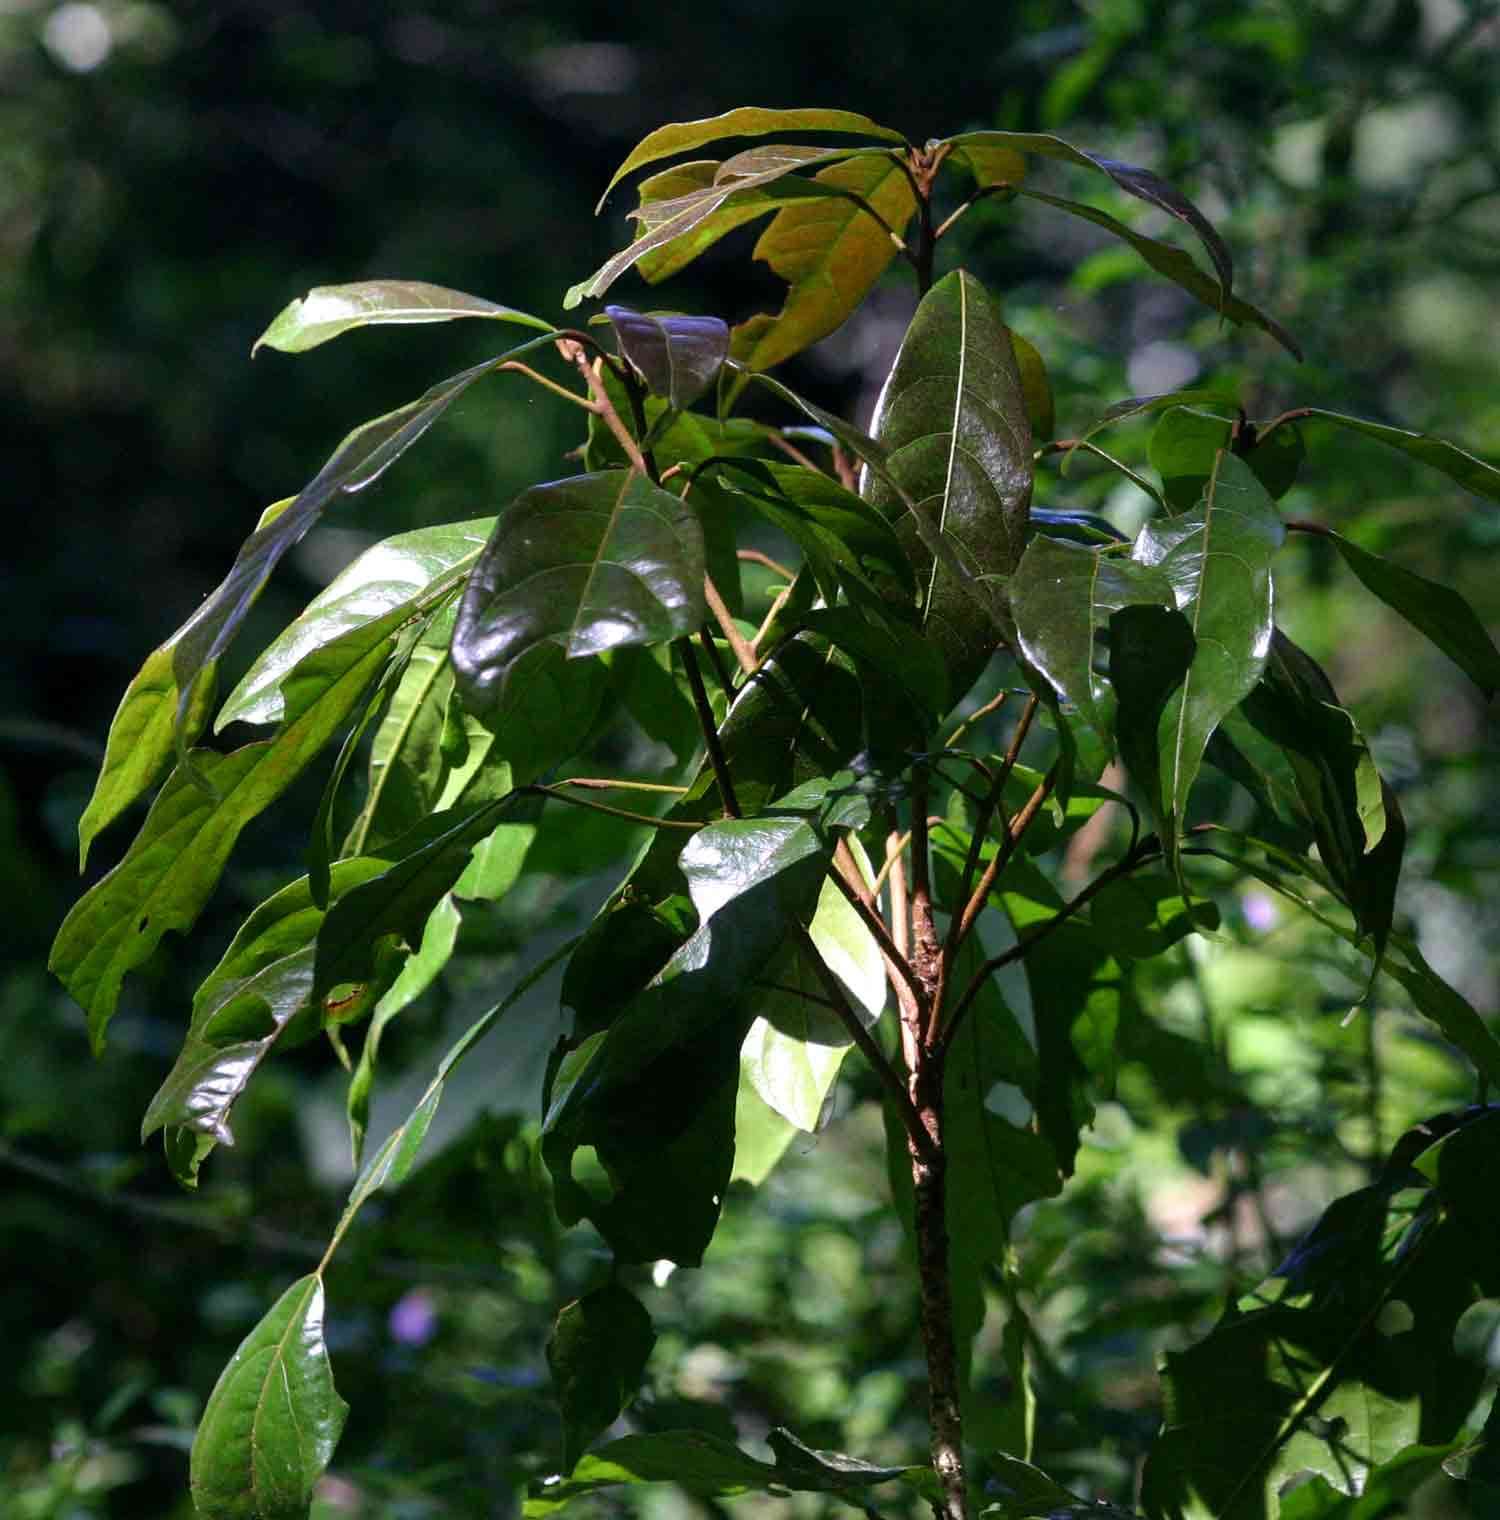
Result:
<point x="413" y="1320"/>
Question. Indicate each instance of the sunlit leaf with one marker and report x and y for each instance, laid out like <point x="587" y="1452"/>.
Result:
<point x="952" y="420"/>
<point x="273" y="1419"/>
<point x="1063" y="598"/>
<point x="747" y="121"/>
<point x="668" y="258"/>
<point x="588" y="564"/>
<point x="326" y="311"/>
<point x="830" y="252"/>
<point x="678" y="357"/>
<point x="175" y="861"/>
<point x="597" y="1354"/>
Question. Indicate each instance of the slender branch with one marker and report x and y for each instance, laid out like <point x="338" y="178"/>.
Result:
<point x="993" y="705"/>
<point x="735" y="639"/>
<point x="721" y="672"/>
<point x="603" y="807"/>
<point x="792" y="452"/>
<point x="602" y="406"/>
<point x="982" y="193"/>
<point x="755" y="557"/>
<point x="863" y="902"/>
<point x="907" y="997"/>
<point x="894" y="846"/>
<point x="926" y="952"/>
<point x="546" y="384"/>
<point x="706" y="722"/>
<point x="1148" y="849"/>
<point x="612" y="784"/>
<point x="890" y="1079"/>
<point x="1305" y="525"/>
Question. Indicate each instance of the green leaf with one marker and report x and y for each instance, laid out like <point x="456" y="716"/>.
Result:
<point x="327" y="311"/>
<point x="175" y="861"/>
<point x="1185" y="443"/>
<point x="679" y="358"/>
<point x="747" y="121"/>
<point x="152" y="719"/>
<point x="588" y="564"/>
<point x="1178" y="267"/>
<point x="1471" y="473"/>
<point x="273" y="1419"/>
<point x="1141" y="183"/>
<point x="896" y="659"/>
<point x="711" y="1467"/>
<point x="360" y="460"/>
<point x="677" y="183"/>
<point x="1029" y="1494"/>
<point x="990" y="165"/>
<point x="1036" y="386"/>
<point x="652" y="1095"/>
<point x="1150" y="653"/>
<point x="1218" y="560"/>
<point x="1063" y="598"/>
<point x="1142" y="916"/>
<point x="761" y="1137"/>
<point x="244" y="1008"/>
<point x="830" y="251"/>
<point x="1432" y="609"/>
<point x="952" y="421"/>
<point x="406" y="570"/>
<point x="597" y="1354"/>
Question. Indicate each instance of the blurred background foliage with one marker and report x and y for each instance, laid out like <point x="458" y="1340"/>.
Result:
<point x="171" y="175"/>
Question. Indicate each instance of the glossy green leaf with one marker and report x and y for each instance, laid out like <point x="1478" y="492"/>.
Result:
<point x="1218" y="561"/>
<point x="1344" y="1359"/>
<point x="1063" y="598"/>
<point x="397" y="903"/>
<point x="668" y="222"/>
<point x="588" y="564"/>
<point x="796" y="1045"/>
<point x="327" y="311"/>
<point x="830" y="251"/>
<point x="1178" y="267"/>
<point x="712" y="1467"/>
<point x="1472" y="473"/>
<point x="175" y="861"/>
<point x="892" y="653"/>
<point x="1132" y="179"/>
<point x="678" y="357"/>
<point x="418" y="973"/>
<point x="747" y="121"/>
<point x="952" y="420"/>
<point x="406" y="570"/>
<point x="360" y="460"/>
<point x="244" y="1007"/>
<point x="273" y="1419"/>
<point x="990" y="165"/>
<point x="1027" y="1493"/>
<point x="1151" y="650"/>
<point x="1384" y="1493"/>
<point x="1350" y="810"/>
<point x="597" y="1354"/>
<point x="151" y="721"/>
<point x="652" y="1095"/>
<point x="1432" y="609"/>
<point x="1185" y="443"/>
<point x="1036" y="386"/>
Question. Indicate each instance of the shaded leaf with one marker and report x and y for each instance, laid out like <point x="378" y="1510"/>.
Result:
<point x="990" y="165"/>
<point x="1178" y="267"/>
<point x="830" y="251"/>
<point x="746" y="121"/>
<point x="1472" y="473"/>
<point x="1029" y="1494"/>
<point x="588" y="564"/>
<point x="410" y="568"/>
<point x="360" y="460"/>
<point x="1063" y="599"/>
<point x="952" y="423"/>
<point x="597" y="1354"/>
<point x="710" y="1466"/>
<point x="1185" y="443"/>
<point x="175" y="861"/>
<point x="326" y="311"/>
<point x="1036" y="386"/>
<point x="273" y="1419"/>
<point x="1432" y="609"/>
<point x="1150" y="653"/>
<point x="1218" y="560"/>
<point x="678" y="357"/>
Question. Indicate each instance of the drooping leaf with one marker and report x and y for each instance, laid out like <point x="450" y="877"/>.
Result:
<point x="273" y="1419"/>
<point x="1218" y="561"/>
<point x="678" y="357"/>
<point x="830" y="251"/>
<point x="652" y="1095"/>
<point x="327" y="311"/>
<point x="1472" y="473"/>
<point x="175" y="861"/>
<point x="990" y="165"/>
<point x="152" y="719"/>
<point x="1132" y="179"/>
<point x="747" y="121"/>
<point x="674" y="184"/>
<point x="1432" y="609"/>
<point x="360" y="460"/>
<point x="597" y="1354"/>
<point x="1178" y="267"/>
<point x="952" y="421"/>
<point x="406" y="569"/>
<point x="710" y="1466"/>
<point x="588" y="564"/>
<point x="1063" y="598"/>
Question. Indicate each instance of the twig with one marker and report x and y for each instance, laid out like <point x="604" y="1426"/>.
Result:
<point x="602" y="407"/>
<point x="859" y="897"/>
<point x="716" y="758"/>
<point x="755" y="557"/>
<point x="743" y="653"/>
